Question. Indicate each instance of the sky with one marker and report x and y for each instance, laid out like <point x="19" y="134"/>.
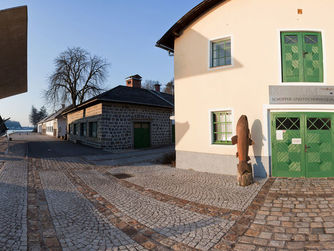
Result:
<point x="124" y="32"/>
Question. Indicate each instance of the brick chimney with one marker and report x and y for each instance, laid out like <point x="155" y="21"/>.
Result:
<point x="157" y="87"/>
<point x="134" y="81"/>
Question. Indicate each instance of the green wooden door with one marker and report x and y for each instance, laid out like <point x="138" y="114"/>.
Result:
<point x="318" y="145"/>
<point x="141" y="133"/>
<point x="288" y="158"/>
<point x="302" y="144"/>
<point x="302" y="57"/>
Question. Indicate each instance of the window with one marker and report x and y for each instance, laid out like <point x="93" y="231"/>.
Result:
<point x="93" y="129"/>
<point x="83" y="129"/>
<point x="302" y="57"/>
<point x="75" y="129"/>
<point x="221" y="52"/>
<point x="71" y="128"/>
<point x="222" y="127"/>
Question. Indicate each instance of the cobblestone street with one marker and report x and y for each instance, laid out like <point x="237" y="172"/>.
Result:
<point x="66" y="203"/>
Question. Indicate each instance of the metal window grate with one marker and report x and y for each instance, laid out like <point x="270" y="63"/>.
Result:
<point x="318" y="124"/>
<point x="286" y="123"/>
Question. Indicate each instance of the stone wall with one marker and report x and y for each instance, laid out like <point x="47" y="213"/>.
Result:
<point x="115" y="125"/>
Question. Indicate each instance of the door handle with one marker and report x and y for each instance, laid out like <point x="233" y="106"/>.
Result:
<point x="306" y="147"/>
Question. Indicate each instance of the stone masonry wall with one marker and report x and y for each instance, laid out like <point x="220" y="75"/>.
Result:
<point x="117" y="125"/>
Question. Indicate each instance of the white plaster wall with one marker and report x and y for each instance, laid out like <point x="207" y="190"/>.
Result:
<point x="254" y="26"/>
<point x="62" y="123"/>
<point x="49" y="123"/>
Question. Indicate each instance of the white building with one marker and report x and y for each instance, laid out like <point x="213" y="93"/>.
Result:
<point x="270" y="60"/>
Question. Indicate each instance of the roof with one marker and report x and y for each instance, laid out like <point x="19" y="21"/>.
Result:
<point x="13" y="51"/>
<point x="55" y="115"/>
<point x="131" y="95"/>
<point x="166" y="42"/>
<point x="137" y="76"/>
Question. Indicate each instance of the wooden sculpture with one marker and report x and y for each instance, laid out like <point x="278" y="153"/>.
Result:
<point x="243" y="141"/>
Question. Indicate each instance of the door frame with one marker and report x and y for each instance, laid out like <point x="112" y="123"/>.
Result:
<point x="303" y="130"/>
<point x="324" y="58"/>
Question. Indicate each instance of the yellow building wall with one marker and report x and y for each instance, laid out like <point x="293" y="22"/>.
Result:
<point x="86" y="112"/>
<point x="254" y="26"/>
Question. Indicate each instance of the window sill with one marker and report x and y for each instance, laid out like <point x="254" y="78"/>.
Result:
<point x="212" y="68"/>
<point x="222" y="144"/>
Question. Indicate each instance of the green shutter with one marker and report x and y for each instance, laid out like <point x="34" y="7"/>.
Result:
<point x="312" y="56"/>
<point x="302" y="59"/>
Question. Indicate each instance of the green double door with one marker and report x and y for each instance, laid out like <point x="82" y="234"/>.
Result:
<point x="302" y="57"/>
<point x="302" y="144"/>
<point x="141" y="133"/>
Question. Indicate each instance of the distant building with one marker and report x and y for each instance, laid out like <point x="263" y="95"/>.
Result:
<point x="55" y="124"/>
<point x="125" y="117"/>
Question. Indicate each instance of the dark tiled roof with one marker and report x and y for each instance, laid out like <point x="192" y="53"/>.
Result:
<point x="131" y="95"/>
<point x="167" y="40"/>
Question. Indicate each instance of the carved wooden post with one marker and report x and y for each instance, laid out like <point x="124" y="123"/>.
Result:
<point x="243" y="141"/>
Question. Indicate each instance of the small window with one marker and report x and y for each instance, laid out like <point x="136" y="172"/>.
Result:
<point x="75" y="129"/>
<point x="222" y="127"/>
<point x="71" y="128"/>
<point x="221" y="52"/>
<point x="83" y="129"/>
<point x="286" y="123"/>
<point x="93" y="129"/>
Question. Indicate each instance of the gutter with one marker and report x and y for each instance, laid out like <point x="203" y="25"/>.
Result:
<point x="170" y="50"/>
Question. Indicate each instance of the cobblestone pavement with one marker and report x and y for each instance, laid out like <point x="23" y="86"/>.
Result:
<point x="13" y="201"/>
<point x="78" y="224"/>
<point x="296" y="214"/>
<point x="65" y="203"/>
<point x="195" y="230"/>
<point x="205" y="188"/>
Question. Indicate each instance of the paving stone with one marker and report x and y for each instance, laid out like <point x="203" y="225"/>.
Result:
<point x="171" y="221"/>
<point x="13" y="204"/>
<point x="204" y="188"/>
<point x="76" y="219"/>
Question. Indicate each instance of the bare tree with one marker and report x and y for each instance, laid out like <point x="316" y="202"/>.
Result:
<point x="77" y="76"/>
<point x="169" y="88"/>
<point x="149" y="84"/>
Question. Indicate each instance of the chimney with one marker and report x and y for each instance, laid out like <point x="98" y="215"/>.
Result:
<point x="134" y="81"/>
<point x="157" y="87"/>
<point x="62" y="106"/>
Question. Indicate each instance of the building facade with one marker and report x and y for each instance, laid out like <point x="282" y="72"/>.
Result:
<point x="269" y="60"/>
<point x="54" y="125"/>
<point x="126" y="117"/>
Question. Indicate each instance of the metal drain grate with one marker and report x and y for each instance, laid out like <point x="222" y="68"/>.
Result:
<point x="122" y="175"/>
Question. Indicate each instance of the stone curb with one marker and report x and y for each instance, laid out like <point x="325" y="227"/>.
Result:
<point x="41" y="231"/>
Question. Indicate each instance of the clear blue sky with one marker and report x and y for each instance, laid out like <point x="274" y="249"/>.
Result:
<point x="122" y="31"/>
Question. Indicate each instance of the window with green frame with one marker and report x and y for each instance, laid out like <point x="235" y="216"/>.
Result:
<point x="222" y="127"/>
<point x="221" y="52"/>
